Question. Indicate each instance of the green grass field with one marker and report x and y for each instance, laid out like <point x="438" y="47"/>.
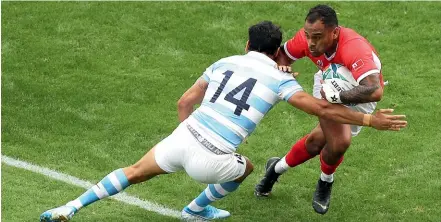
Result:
<point x="88" y="87"/>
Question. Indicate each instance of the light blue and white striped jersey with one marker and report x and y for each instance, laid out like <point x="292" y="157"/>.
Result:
<point x="241" y="90"/>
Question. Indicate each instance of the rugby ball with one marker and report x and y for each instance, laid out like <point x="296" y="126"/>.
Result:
<point x="338" y="77"/>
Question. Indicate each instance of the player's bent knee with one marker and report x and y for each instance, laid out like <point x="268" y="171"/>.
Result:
<point x="344" y="143"/>
<point x="313" y="149"/>
<point x="340" y="146"/>
<point x="315" y="144"/>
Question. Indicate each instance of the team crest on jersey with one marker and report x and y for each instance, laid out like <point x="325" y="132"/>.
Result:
<point x="358" y="64"/>
<point x="320" y="63"/>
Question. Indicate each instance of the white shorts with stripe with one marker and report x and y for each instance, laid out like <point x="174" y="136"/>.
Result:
<point x="181" y="151"/>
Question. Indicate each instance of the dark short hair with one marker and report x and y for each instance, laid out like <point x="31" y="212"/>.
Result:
<point x="264" y="37"/>
<point x="323" y="12"/>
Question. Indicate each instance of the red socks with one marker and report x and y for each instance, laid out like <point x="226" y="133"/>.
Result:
<point x="328" y="169"/>
<point x="298" y="154"/>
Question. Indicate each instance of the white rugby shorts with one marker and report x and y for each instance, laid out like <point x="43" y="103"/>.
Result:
<point x="181" y="151"/>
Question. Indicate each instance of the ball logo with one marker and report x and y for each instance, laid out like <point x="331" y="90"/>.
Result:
<point x="332" y="73"/>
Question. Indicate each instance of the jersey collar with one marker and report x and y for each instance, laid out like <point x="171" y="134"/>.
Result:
<point x="333" y="54"/>
<point x="262" y="58"/>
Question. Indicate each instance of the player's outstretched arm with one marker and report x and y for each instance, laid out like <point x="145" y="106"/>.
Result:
<point x="382" y="120"/>
<point x="194" y="95"/>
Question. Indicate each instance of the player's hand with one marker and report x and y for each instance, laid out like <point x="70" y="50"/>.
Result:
<point x="383" y="120"/>
<point x="287" y="69"/>
<point x="329" y="94"/>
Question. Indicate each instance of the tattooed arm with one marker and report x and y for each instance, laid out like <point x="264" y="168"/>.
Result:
<point x="361" y="59"/>
<point x="369" y="90"/>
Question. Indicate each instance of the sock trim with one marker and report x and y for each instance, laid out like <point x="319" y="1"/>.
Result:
<point x="327" y="177"/>
<point x="115" y="182"/>
<point x="214" y="192"/>
<point x="229" y="186"/>
<point x="111" y="190"/>
<point x="100" y="191"/>
<point x="122" y="178"/>
<point x="88" y="197"/>
<point x="281" y="166"/>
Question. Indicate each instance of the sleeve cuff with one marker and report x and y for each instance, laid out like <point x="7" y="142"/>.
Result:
<point x="367" y="74"/>
<point x="287" y="53"/>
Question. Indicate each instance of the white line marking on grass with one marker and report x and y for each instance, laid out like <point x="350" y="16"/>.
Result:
<point x="123" y="197"/>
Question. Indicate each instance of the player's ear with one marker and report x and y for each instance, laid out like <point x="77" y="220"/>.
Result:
<point x="247" y="46"/>
<point x="336" y="32"/>
<point x="277" y="52"/>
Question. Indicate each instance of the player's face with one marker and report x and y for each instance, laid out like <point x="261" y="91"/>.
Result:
<point x="320" y="38"/>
